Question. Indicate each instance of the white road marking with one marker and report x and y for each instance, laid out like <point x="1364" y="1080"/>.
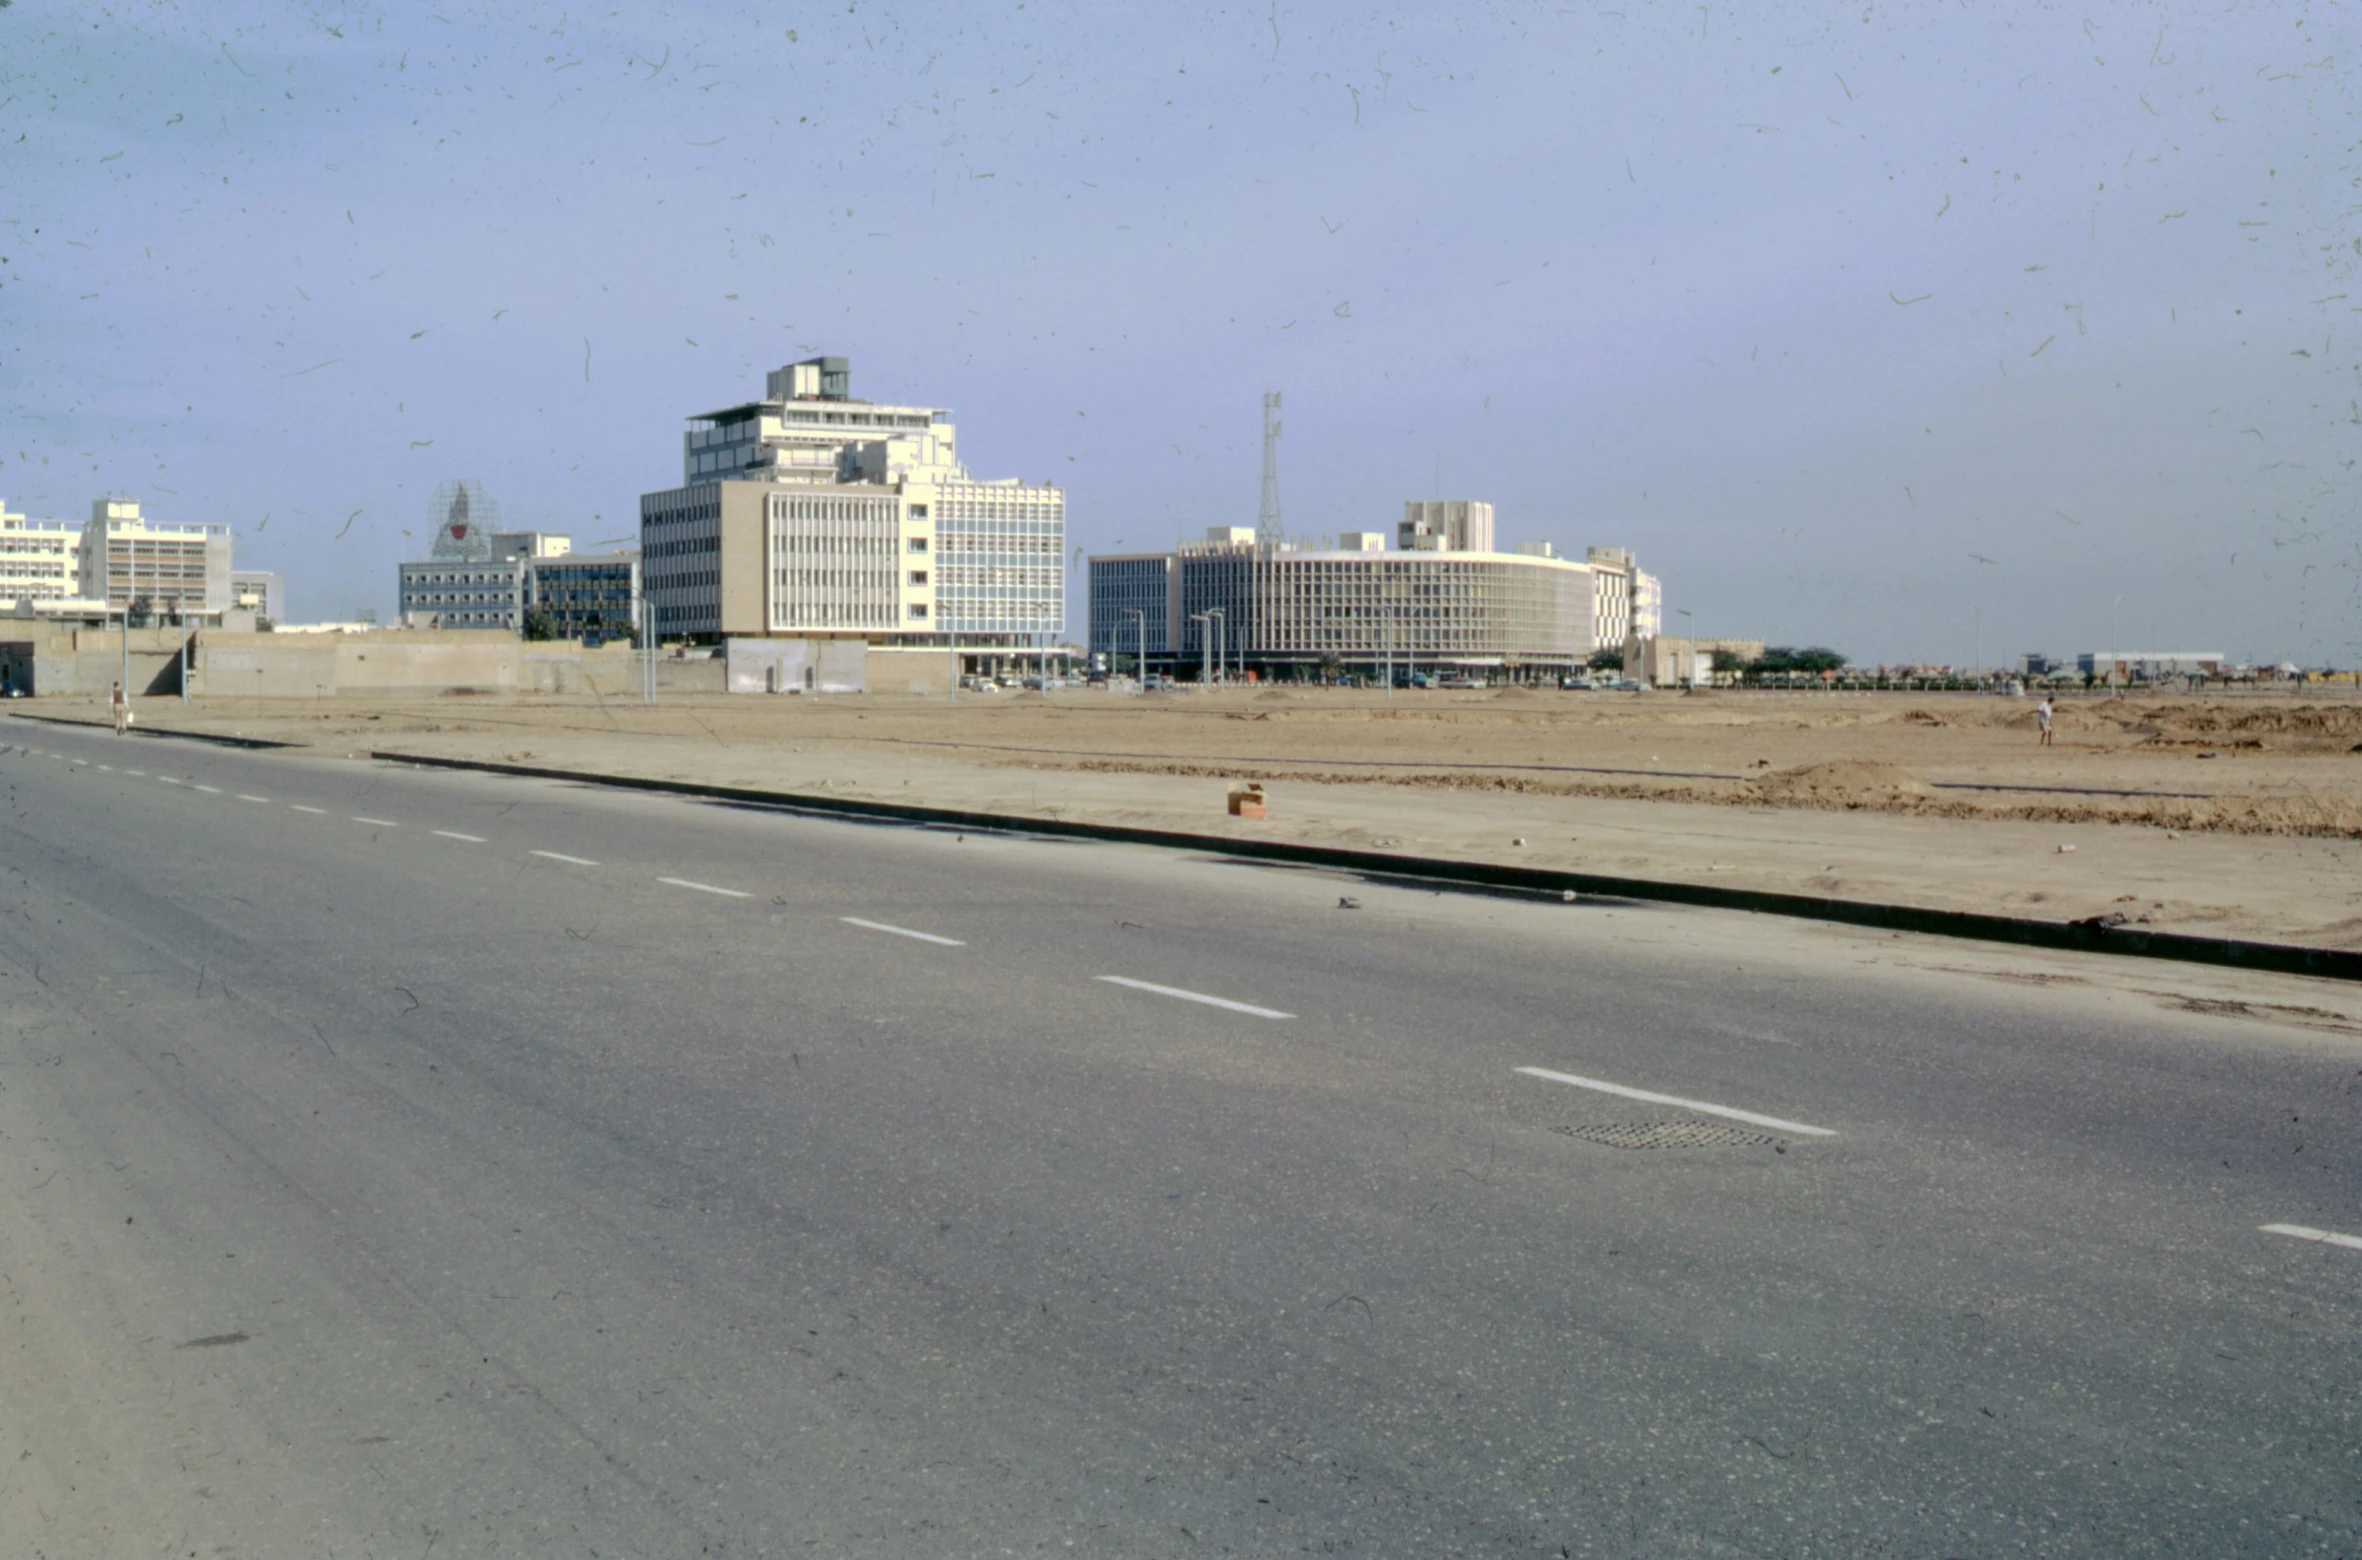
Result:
<point x="376" y="823"/>
<point x="1194" y="996"/>
<point x="168" y="780"/>
<point x="2319" y="1237"/>
<point x="214" y="789"/>
<point x="143" y="774"/>
<point x="707" y="888"/>
<point x="902" y="931"/>
<point x="84" y="762"/>
<point x="300" y="807"/>
<point x="574" y="861"/>
<point x="472" y="839"/>
<point x="1675" y="1099"/>
<point x="106" y="766"/>
<point x="243" y="797"/>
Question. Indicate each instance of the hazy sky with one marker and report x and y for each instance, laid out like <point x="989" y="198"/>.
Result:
<point x="1863" y="325"/>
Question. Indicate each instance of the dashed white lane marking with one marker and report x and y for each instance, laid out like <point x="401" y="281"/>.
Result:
<point x="300" y="807"/>
<point x="143" y="774"/>
<point x="1675" y="1099"/>
<point x="243" y="797"/>
<point x="452" y="834"/>
<point x="212" y="789"/>
<point x="84" y="762"/>
<point x="1194" y="996"/>
<point x="572" y="861"/>
<point x="168" y="780"/>
<point x="2318" y="1237"/>
<point x="376" y="823"/>
<point x="106" y="766"/>
<point x="903" y="931"/>
<point x="707" y="888"/>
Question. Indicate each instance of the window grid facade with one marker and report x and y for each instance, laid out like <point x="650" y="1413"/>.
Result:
<point x="1000" y="567"/>
<point x="1284" y="608"/>
<point x="833" y="561"/>
<point x="680" y="558"/>
<point x="461" y="594"/>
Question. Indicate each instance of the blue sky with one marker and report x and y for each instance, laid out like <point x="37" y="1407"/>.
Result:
<point x="1815" y="307"/>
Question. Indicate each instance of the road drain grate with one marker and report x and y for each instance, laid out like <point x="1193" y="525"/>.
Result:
<point x="1671" y="1134"/>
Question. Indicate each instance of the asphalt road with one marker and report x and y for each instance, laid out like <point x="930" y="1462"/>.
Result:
<point x="410" y="1163"/>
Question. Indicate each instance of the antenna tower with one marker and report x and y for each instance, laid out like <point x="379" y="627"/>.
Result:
<point x="1268" y="531"/>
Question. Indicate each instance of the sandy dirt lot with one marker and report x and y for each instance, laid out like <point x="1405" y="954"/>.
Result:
<point x="2232" y="814"/>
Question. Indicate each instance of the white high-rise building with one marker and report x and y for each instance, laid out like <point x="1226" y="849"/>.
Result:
<point x="811" y="514"/>
<point x="1446" y="602"/>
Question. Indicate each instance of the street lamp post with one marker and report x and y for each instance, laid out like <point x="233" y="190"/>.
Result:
<point x="1689" y="636"/>
<point x="1221" y="625"/>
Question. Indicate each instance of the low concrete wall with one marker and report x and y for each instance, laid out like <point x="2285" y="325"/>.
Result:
<point x="797" y="666"/>
<point x="47" y="661"/>
<point x="911" y="671"/>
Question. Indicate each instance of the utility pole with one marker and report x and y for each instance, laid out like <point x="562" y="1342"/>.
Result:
<point x="1268" y="531"/>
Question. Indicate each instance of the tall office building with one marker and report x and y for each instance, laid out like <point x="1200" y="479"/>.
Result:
<point x="815" y="515"/>
<point x="174" y="571"/>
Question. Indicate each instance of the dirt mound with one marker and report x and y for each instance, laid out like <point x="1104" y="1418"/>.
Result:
<point x="1850" y="782"/>
<point x="2293" y="720"/>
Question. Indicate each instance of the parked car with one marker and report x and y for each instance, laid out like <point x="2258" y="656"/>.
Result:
<point x="1578" y="684"/>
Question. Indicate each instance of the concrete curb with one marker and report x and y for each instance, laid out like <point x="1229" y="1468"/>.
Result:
<point x="152" y="731"/>
<point x="2075" y="936"/>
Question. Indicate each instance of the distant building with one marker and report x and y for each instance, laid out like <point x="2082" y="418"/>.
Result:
<point x="1286" y="610"/>
<point x="585" y="593"/>
<point x="1625" y="602"/>
<point x="2125" y="665"/>
<point x="1459" y="525"/>
<point x="531" y="544"/>
<point x="813" y="515"/>
<point x="1664" y="661"/>
<point x="262" y="593"/>
<point x="175" y="572"/>
<point x="479" y="579"/>
<point x="2036" y="663"/>
<point x="463" y="593"/>
<point x="40" y="560"/>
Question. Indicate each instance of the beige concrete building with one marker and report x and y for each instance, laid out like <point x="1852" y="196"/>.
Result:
<point x="811" y="514"/>
<point x="40" y="560"/>
<point x="1667" y="661"/>
<point x="176" y="571"/>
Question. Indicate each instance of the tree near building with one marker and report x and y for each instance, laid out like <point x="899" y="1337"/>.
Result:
<point x="540" y="624"/>
<point x="1606" y="661"/>
<point x="1812" y="660"/>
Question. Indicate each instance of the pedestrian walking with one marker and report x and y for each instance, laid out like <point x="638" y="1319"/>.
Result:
<point x="122" y="711"/>
<point x="2042" y="715"/>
